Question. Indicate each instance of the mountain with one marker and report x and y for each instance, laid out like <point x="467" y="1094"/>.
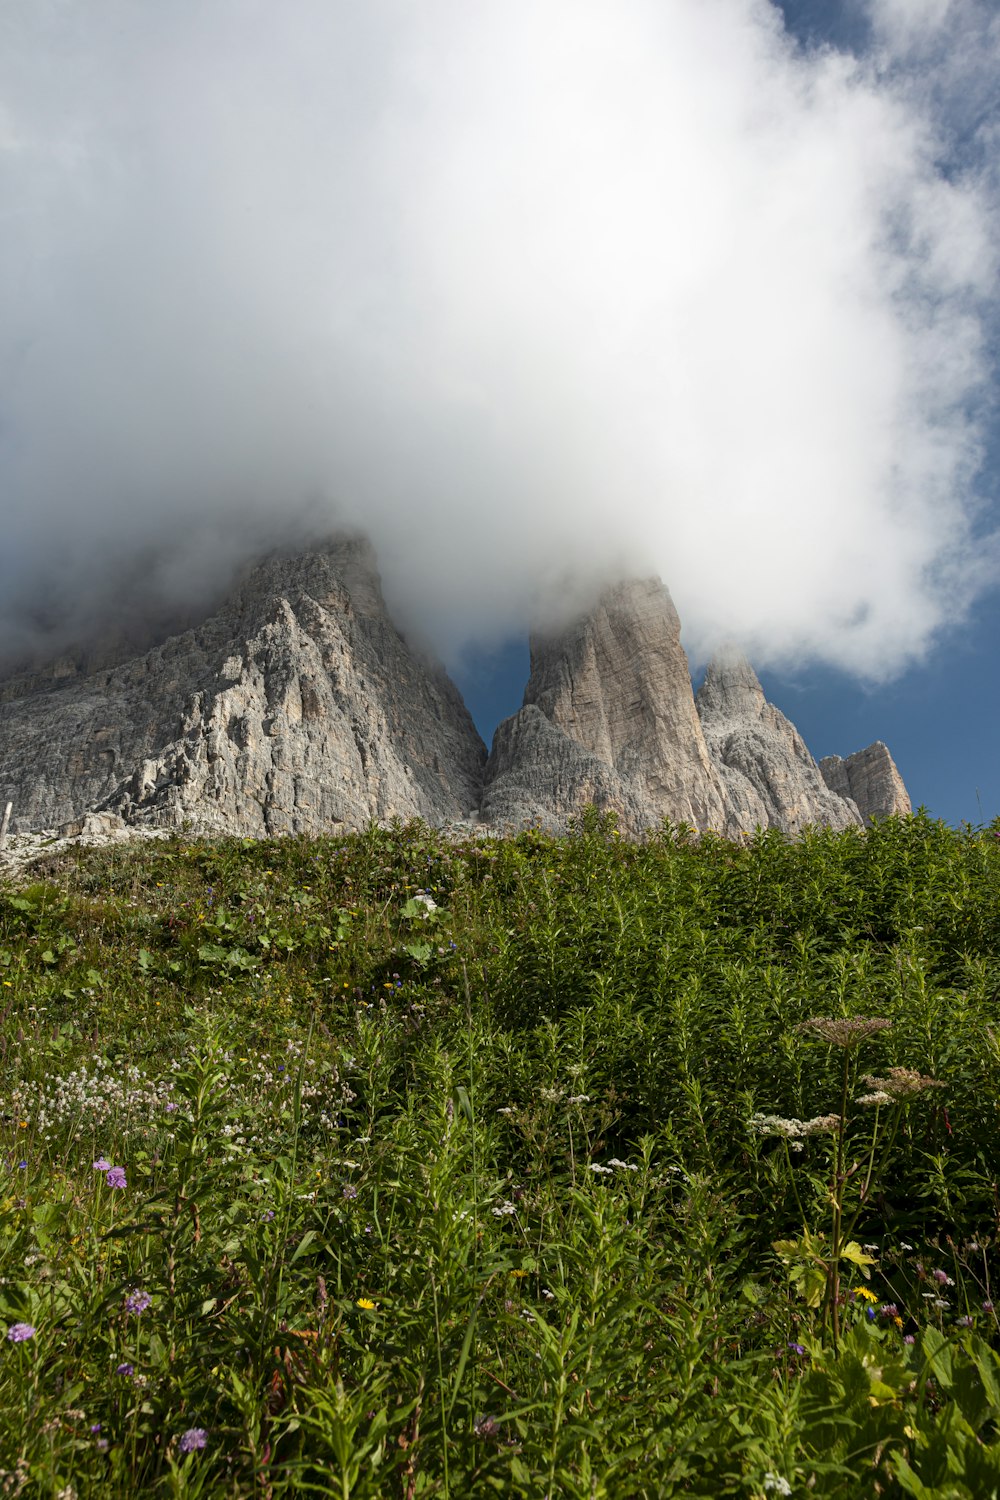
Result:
<point x="298" y="707"/>
<point x="609" y="717"/>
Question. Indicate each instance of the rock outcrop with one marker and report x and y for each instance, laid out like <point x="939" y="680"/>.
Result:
<point x="296" y="707"/>
<point x="608" y="718"/>
<point x="771" y="780"/>
<point x="870" y="778"/>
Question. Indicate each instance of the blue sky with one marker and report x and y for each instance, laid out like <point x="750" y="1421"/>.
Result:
<point x="940" y="718"/>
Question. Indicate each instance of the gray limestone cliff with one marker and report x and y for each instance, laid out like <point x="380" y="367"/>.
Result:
<point x="871" y="779"/>
<point x="771" y="780"/>
<point x="608" y="718"/>
<point x="296" y="707"/>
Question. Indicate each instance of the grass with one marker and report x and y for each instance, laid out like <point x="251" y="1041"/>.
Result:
<point x="499" y="1166"/>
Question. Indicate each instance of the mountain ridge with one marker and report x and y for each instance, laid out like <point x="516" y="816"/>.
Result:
<point x="297" y="706"/>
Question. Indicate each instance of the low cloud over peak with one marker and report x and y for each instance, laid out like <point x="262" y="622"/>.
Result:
<point x="531" y="293"/>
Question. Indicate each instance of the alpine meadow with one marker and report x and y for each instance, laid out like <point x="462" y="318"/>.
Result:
<point x="404" y="1165"/>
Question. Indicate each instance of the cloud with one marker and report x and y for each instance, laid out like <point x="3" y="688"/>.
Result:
<point x="533" y="293"/>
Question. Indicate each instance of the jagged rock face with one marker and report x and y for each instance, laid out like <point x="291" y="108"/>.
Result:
<point x="608" y="718"/>
<point x="871" y="779"/>
<point x="296" y="707"/>
<point x="771" y="779"/>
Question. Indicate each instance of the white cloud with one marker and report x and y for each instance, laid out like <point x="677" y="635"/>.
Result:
<point x="530" y="291"/>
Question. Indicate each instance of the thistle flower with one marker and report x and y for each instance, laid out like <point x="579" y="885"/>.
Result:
<point x="115" y="1177"/>
<point x="900" y="1083"/>
<point x="194" y="1438"/>
<point x="845" y="1031"/>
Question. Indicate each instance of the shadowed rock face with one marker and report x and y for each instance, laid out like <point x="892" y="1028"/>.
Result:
<point x="296" y="707"/>
<point x="769" y="775"/>
<point x="609" y="718"/>
<point x="871" y="779"/>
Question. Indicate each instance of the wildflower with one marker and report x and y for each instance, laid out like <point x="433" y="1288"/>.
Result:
<point x="791" y="1129"/>
<point x="965" y="1322"/>
<point x="889" y="1310"/>
<point x="578" y="1099"/>
<point x="776" y="1484"/>
<point x="845" y="1031"/>
<point x="504" y="1211"/>
<point x="797" y="1348"/>
<point x="987" y="1306"/>
<point x="878" y="1098"/>
<point x="100" y="1165"/>
<point x="485" y="1427"/>
<point x="350" y="1191"/>
<point x="901" y="1083"/>
<point x="863" y="1291"/>
<point x="18" y="1332"/>
<point x="909" y="1339"/>
<point x="595" y="1166"/>
<point x="137" y="1302"/>
<point x="366" y="1304"/>
<point x="942" y="1278"/>
<point x="115" y="1177"/>
<point x="194" y="1438"/>
<point x="624" y="1166"/>
<point x="125" y="1369"/>
<point x="21" y="1165"/>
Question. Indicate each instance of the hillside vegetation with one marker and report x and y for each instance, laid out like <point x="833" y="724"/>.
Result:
<point x="395" y="1165"/>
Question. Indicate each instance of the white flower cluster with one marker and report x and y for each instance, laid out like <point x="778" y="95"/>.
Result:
<point x="791" y="1130"/>
<point x="93" y="1096"/>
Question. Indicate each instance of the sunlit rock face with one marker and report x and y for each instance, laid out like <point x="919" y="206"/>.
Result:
<point x="608" y="717"/>
<point x="297" y="707"/>
<point x="870" y="778"/>
<point x="771" y="780"/>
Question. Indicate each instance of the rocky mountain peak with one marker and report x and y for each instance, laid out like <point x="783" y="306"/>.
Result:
<point x="730" y="688"/>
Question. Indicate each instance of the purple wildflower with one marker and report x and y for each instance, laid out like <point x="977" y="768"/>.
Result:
<point x="889" y="1310"/>
<point x="965" y="1322"/>
<point x="22" y="1165"/>
<point x="18" y="1332"/>
<point x="870" y="1314"/>
<point x="195" y="1437"/>
<point x="942" y="1278"/>
<point x="100" y="1165"/>
<point x="115" y="1177"/>
<point x="137" y="1302"/>
<point x="987" y="1306"/>
<point x="125" y="1369"/>
<point x="170" y="1107"/>
<point x="797" y="1348"/>
<point x="909" y="1339"/>
<point x="350" y="1191"/>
